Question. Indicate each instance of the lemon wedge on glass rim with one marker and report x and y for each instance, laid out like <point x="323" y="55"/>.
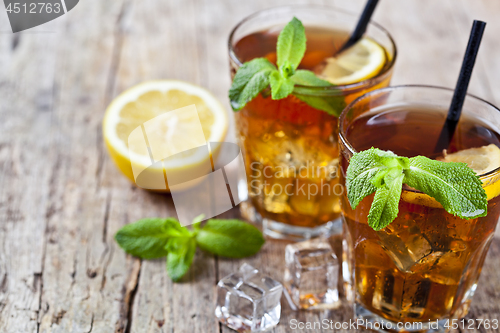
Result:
<point x="362" y="61"/>
<point x="482" y="160"/>
<point x="128" y="112"/>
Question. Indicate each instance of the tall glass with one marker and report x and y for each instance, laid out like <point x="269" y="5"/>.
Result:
<point x="290" y="148"/>
<point x="423" y="268"/>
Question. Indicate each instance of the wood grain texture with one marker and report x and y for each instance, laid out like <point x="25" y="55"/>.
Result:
<point x="62" y="200"/>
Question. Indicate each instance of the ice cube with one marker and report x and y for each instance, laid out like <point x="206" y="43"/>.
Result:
<point x="442" y="267"/>
<point x="416" y="294"/>
<point x="312" y="275"/>
<point x="248" y="301"/>
<point x="384" y="293"/>
<point x="405" y="250"/>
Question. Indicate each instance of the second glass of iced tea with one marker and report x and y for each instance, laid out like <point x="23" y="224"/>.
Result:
<point x="422" y="269"/>
<point x="290" y="148"/>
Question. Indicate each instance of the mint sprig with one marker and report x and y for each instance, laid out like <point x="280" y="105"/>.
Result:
<point x="454" y="185"/>
<point x="256" y="75"/>
<point x="155" y="238"/>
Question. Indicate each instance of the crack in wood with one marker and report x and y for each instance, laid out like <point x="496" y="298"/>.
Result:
<point x="131" y="304"/>
<point x="91" y="273"/>
<point x="117" y="49"/>
<point x="16" y="38"/>
<point x="106" y="219"/>
<point x="105" y="267"/>
<point x="3" y="284"/>
<point x="100" y="156"/>
<point x="39" y="311"/>
<point x="37" y="280"/>
<point x="128" y="295"/>
<point x="111" y="82"/>
<point x="91" y="324"/>
<point x="56" y="318"/>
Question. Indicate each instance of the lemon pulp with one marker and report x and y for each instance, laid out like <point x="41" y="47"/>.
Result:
<point x="136" y="106"/>
<point x="360" y="62"/>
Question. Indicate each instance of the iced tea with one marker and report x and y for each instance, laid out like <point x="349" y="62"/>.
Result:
<point x="290" y="148"/>
<point x="426" y="263"/>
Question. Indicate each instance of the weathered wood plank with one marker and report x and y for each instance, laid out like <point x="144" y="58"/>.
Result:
<point x="87" y="283"/>
<point x="26" y="91"/>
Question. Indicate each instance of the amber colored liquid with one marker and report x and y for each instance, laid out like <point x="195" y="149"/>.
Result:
<point x="425" y="264"/>
<point x="290" y="149"/>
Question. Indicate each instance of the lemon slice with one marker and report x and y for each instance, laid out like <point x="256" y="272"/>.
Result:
<point x="361" y="61"/>
<point x="482" y="160"/>
<point x="164" y="111"/>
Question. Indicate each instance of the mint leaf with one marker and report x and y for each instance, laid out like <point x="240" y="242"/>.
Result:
<point x="250" y="79"/>
<point x="230" y="238"/>
<point x="333" y="105"/>
<point x="454" y="185"/>
<point x="384" y="208"/>
<point x="148" y="237"/>
<point x="307" y="78"/>
<point x="291" y="45"/>
<point x="364" y="167"/>
<point x="180" y="256"/>
<point x="280" y="87"/>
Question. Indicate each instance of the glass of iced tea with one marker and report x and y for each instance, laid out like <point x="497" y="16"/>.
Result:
<point x="290" y="148"/>
<point x="422" y="269"/>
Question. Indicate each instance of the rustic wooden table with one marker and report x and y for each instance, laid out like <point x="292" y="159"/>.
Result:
<point x="62" y="200"/>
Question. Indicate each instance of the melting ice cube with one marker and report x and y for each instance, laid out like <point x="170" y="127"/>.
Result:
<point x="312" y="274"/>
<point x="248" y="301"/>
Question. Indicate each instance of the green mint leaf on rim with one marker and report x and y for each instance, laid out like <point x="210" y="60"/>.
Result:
<point x="249" y="81"/>
<point x="230" y="238"/>
<point x="454" y="185"/>
<point x="291" y="47"/>
<point x="148" y="237"/>
<point x="256" y="75"/>
<point x="180" y="256"/>
<point x="281" y="87"/>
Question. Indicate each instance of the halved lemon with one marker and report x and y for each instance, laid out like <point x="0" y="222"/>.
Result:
<point x="361" y="61"/>
<point x="482" y="160"/>
<point x="155" y="120"/>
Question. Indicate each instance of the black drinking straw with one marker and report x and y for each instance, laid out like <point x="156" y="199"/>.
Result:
<point x="457" y="101"/>
<point x="360" y="29"/>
